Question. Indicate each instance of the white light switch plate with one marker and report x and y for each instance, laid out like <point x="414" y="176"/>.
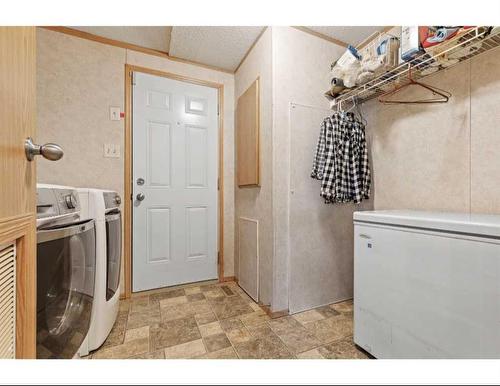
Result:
<point x="111" y="150"/>
<point x="114" y="113"/>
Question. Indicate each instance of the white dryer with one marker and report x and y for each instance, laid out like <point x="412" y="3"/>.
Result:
<point x="104" y="207"/>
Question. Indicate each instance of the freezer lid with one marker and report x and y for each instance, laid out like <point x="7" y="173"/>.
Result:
<point x="478" y="224"/>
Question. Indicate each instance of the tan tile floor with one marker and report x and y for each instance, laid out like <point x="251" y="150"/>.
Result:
<point x="220" y="321"/>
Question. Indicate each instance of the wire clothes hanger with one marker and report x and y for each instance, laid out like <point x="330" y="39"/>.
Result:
<point x="354" y="103"/>
<point x="340" y="107"/>
<point x="360" y="113"/>
<point x="442" y="95"/>
<point x="356" y="106"/>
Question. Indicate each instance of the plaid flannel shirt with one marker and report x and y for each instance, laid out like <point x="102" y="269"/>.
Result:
<point x="341" y="160"/>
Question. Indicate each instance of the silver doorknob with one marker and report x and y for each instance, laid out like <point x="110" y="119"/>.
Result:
<point x="140" y="197"/>
<point x="50" y="151"/>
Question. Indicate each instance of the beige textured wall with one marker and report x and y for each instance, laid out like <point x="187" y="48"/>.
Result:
<point x="301" y="65"/>
<point x="485" y="134"/>
<point x="441" y="157"/>
<point x="256" y="202"/>
<point x="77" y="82"/>
<point x="321" y="236"/>
<point x="293" y="68"/>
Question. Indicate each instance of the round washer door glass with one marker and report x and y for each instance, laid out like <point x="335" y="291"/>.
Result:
<point x="65" y="287"/>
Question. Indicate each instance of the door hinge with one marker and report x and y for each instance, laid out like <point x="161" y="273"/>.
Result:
<point x="218" y="257"/>
<point x="131" y="197"/>
<point x="218" y="183"/>
<point x="133" y="77"/>
<point x="218" y="109"/>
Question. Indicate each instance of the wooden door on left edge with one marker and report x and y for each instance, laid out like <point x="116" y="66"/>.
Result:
<point x="17" y="192"/>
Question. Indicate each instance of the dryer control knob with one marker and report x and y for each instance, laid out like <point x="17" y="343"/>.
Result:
<point x="118" y="200"/>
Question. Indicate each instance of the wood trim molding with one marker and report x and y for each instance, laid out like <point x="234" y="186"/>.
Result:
<point x="130" y="46"/>
<point x="250" y="49"/>
<point x="127" y="183"/>
<point x="220" y="181"/>
<point x="193" y="63"/>
<point x="171" y="75"/>
<point x="267" y="308"/>
<point x="129" y="69"/>
<point x="111" y="42"/>
<point x="364" y="43"/>
<point x="22" y="231"/>
<point x="321" y="36"/>
<point x="275" y="314"/>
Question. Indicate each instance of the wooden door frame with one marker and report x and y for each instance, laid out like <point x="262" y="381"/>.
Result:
<point x="129" y="69"/>
<point x="18" y="176"/>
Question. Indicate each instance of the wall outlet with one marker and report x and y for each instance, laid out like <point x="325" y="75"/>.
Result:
<point x="111" y="150"/>
<point x="114" y="113"/>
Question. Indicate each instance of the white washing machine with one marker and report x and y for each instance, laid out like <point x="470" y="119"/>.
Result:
<point x="65" y="272"/>
<point x="104" y="207"/>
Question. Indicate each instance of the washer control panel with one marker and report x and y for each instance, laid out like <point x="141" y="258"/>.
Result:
<point x="55" y="201"/>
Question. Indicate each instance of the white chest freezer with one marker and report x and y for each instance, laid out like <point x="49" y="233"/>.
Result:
<point x="427" y="284"/>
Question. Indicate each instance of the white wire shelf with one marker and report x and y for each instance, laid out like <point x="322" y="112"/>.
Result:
<point x="460" y="48"/>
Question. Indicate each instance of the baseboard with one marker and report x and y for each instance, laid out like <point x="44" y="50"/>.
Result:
<point x="273" y="314"/>
<point x="228" y="278"/>
<point x="267" y="308"/>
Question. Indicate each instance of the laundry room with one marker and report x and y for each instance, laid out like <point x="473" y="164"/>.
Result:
<point x="251" y="191"/>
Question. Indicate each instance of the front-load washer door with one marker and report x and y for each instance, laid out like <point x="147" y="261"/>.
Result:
<point x="113" y="252"/>
<point x="65" y="287"/>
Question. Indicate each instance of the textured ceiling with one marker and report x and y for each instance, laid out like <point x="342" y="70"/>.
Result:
<point x="223" y="47"/>
<point x="352" y="35"/>
<point x="157" y="38"/>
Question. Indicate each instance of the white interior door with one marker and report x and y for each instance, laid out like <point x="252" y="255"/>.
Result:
<point x="175" y="153"/>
